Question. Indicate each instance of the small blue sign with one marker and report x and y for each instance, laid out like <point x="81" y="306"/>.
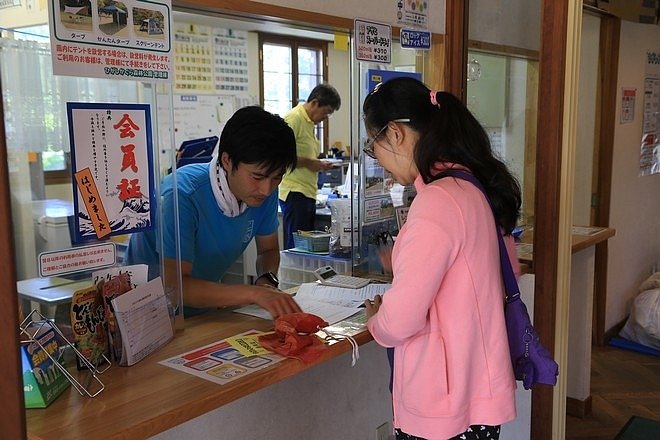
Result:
<point x="412" y="39"/>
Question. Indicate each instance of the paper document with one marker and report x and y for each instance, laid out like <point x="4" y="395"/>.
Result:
<point x="340" y="296"/>
<point x="333" y="304"/>
<point x="143" y="320"/>
<point x="327" y="311"/>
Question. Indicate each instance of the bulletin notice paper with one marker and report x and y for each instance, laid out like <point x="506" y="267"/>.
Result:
<point x="143" y="320"/>
<point x="223" y="361"/>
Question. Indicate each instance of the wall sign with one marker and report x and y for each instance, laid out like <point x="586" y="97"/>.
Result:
<point x="649" y="156"/>
<point x="373" y="41"/>
<point x="130" y="39"/>
<point x="111" y="158"/>
<point x="411" y="39"/>
<point x="413" y="13"/>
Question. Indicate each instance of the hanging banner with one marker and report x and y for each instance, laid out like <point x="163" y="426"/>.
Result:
<point x="128" y="39"/>
<point x="373" y="41"/>
<point x="649" y="158"/>
<point x="111" y="159"/>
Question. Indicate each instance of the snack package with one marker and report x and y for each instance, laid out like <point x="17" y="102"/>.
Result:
<point x="43" y="380"/>
<point x="111" y="289"/>
<point x="88" y="325"/>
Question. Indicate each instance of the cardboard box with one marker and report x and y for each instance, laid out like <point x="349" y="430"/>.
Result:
<point x="42" y="379"/>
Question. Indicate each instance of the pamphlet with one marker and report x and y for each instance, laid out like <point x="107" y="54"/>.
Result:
<point x="221" y="362"/>
<point x="143" y="320"/>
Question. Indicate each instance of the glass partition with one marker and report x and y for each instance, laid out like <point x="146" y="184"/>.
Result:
<point x="380" y="203"/>
<point x="501" y="93"/>
<point x="39" y="149"/>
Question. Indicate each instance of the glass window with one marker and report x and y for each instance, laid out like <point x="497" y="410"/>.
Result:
<point x="290" y="69"/>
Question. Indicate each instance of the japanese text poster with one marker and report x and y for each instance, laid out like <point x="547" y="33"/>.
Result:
<point x="649" y="156"/>
<point x="112" y="162"/>
<point x="373" y="41"/>
<point x="129" y="39"/>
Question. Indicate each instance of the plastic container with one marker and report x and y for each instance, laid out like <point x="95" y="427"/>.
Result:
<point x="297" y="268"/>
<point x="312" y="241"/>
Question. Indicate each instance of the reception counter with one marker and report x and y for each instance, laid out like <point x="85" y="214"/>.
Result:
<point x="287" y="400"/>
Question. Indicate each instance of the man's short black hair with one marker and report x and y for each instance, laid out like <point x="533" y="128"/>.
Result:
<point x="254" y="136"/>
<point x="325" y="94"/>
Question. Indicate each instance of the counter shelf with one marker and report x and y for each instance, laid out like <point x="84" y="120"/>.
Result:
<point x="148" y="398"/>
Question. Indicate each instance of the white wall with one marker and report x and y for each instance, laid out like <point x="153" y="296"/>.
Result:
<point x="515" y="23"/>
<point x="339" y="76"/>
<point x="635" y="204"/>
<point x="376" y="10"/>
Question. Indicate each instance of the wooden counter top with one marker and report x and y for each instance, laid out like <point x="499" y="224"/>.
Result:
<point x="148" y="398"/>
<point x="582" y="238"/>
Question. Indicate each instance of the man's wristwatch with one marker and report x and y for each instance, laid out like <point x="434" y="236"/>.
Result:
<point x="270" y="277"/>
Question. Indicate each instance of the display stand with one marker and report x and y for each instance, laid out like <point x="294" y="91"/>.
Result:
<point x="32" y="330"/>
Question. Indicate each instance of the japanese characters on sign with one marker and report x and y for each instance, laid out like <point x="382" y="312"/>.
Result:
<point x="373" y="41"/>
<point x="412" y="13"/>
<point x="649" y="156"/>
<point x="77" y="259"/>
<point x="111" y="151"/>
<point x="130" y="39"/>
<point x="411" y="39"/>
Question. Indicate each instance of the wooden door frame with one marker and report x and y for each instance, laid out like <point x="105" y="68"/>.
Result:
<point x="12" y="416"/>
<point x="608" y="67"/>
<point x="456" y="47"/>
<point x="552" y="64"/>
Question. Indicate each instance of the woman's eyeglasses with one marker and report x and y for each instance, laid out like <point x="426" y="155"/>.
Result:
<point x="369" y="147"/>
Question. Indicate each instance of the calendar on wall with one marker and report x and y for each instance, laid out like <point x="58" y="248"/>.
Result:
<point x="209" y="59"/>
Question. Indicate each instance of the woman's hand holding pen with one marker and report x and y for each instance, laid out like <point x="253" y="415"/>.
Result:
<point x="372" y="306"/>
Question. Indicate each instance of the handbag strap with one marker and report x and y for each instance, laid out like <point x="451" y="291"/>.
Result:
<point x="510" y="283"/>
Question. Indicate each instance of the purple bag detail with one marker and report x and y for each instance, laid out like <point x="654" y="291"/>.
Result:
<point x="532" y="362"/>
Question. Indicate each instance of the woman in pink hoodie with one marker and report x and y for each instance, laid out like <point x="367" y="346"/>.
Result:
<point x="444" y="315"/>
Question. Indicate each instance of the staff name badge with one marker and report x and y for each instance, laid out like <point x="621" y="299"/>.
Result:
<point x="412" y="39"/>
<point x="373" y="41"/>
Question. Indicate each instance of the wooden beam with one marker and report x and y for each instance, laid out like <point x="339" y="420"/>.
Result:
<point x="554" y="16"/>
<point x="12" y="416"/>
<point x="610" y="31"/>
<point x="456" y="38"/>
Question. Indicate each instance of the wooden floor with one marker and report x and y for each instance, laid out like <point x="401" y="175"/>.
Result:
<point x="623" y="383"/>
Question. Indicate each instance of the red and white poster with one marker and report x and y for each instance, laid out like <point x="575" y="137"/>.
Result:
<point x="112" y="163"/>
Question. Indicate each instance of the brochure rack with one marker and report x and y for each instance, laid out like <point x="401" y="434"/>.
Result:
<point x="34" y="325"/>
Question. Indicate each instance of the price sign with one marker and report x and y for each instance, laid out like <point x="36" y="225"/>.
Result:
<point x="413" y="39"/>
<point x="373" y="41"/>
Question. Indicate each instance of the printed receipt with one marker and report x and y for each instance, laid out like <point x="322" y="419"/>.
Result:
<point x="144" y="322"/>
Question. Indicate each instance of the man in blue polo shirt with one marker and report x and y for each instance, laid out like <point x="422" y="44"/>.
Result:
<point x="222" y="205"/>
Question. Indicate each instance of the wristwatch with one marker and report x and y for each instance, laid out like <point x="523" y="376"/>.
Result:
<point x="270" y="277"/>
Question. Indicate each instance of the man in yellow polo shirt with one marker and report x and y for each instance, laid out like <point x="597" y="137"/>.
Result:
<point x="297" y="191"/>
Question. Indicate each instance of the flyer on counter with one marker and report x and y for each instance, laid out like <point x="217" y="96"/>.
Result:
<point x="225" y="360"/>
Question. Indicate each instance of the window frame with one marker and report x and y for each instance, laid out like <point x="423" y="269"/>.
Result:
<point x="295" y="43"/>
<point x="56" y="177"/>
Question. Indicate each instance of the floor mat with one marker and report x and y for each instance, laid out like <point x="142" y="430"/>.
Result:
<point x="634" y="346"/>
<point x="639" y="428"/>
